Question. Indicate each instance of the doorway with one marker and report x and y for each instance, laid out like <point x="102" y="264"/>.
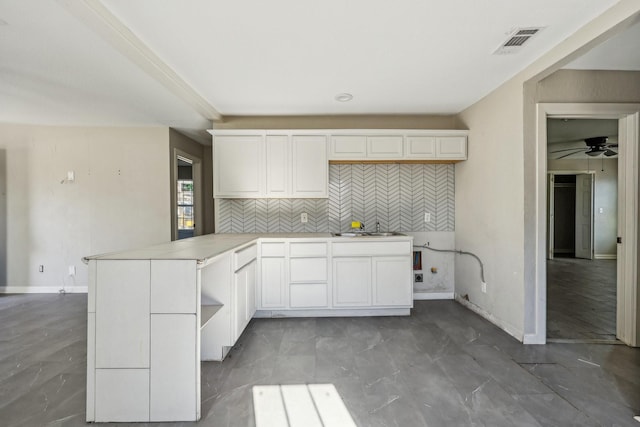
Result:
<point x="185" y="195"/>
<point x="581" y="290"/>
<point x="627" y="117"/>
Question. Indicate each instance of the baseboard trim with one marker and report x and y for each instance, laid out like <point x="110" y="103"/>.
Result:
<point x="43" y="289"/>
<point x="368" y="312"/>
<point x="490" y="317"/>
<point x="605" y="256"/>
<point x="432" y="295"/>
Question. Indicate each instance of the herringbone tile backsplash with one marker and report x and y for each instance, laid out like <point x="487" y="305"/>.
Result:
<point x="397" y="196"/>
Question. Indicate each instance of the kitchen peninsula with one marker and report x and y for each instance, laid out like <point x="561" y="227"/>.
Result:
<point x="154" y="313"/>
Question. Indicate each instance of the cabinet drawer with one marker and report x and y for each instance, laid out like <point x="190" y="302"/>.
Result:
<point x="310" y="295"/>
<point x="272" y="249"/>
<point x="308" y="269"/>
<point x="371" y="248"/>
<point x="244" y="256"/>
<point x="308" y="249"/>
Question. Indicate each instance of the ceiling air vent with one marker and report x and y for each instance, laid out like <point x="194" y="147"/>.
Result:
<point x="516" y="40"/>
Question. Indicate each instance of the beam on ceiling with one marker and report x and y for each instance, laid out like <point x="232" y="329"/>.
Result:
<point x="104" y="23"/>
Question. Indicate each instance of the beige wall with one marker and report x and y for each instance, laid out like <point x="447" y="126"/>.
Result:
<point x="590" y="86"/>
<point x="339" y="122"/>
<point x="496" y="189"/>
<point x="119" y="200"/>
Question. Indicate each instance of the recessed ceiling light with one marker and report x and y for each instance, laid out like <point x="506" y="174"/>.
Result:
<point x="344" y="97"/>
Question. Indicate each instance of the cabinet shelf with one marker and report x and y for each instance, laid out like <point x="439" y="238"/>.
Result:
<point x="207" y="312"/>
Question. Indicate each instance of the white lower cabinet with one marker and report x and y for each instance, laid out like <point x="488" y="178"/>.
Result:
<point x="245" y="299"/>
<point x="273" y="283"/>
<point x="389" y="280"/>
<point x="122" y="395"/>
<point x="308" y="295"/>
<point x="173" y="370"/>
<point x="351" y="281"/>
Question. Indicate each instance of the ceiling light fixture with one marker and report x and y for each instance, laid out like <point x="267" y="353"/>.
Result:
<point x="344" y="97"/>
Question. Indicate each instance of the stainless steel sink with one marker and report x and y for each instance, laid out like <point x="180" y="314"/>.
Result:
<point x="368" y="234"/>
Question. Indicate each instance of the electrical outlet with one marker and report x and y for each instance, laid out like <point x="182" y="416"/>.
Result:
<point x="427" y="217"/>
<point x="304" y="217"/>
<point x="418" y="277"/>
<point x="483" y="287"/>
<point x="41" y="268"/>
<point x="72" y="270"/>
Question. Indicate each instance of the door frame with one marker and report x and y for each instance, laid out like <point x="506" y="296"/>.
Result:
<point x="550" y="203"/>
<point x="196" y="164"/>
<point x="628" y="116"/>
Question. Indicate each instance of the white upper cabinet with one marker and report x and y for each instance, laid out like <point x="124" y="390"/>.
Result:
<point x="277" y="166"/>
<point x="270" y="164"/>
<point x="384" y="147"/>
<point x="451" y="147"/>
<point x="397" y="144"/>
<point x="421" y="147"/>
<point x="348" y="147"/>
<point x="310" y="166"/>
<point x="238" y="166"/>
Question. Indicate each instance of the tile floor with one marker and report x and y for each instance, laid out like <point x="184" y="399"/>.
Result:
<point x="581" y="299"/>
<point x="442" y="366"/>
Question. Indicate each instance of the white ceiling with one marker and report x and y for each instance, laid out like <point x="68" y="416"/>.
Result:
<point x="281" y="57"/>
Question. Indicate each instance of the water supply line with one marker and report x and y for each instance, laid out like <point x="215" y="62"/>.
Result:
<point x="459" y="252"/>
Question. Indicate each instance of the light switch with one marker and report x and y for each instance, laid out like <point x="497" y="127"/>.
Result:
<point x="71" y="176"/>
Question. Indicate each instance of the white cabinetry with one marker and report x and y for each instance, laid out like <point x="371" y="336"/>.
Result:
<point x="273" y="280"/>
<point x="308" y="275"/>
<point x="451" y="147"/>
<point x="310" y="166"/>
<point x="239" y="166"/>
<point x="270" y="164"/>
<point x="351" y="281"/>
<point x="376" y="274"/>
<point x="245" y="301"/>
<point x="389" y="278"/>
<point x="142" y="355"/>
<point x="398" y="145"/>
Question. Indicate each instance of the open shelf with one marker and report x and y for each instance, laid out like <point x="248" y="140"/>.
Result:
<point x="207" y="312"/>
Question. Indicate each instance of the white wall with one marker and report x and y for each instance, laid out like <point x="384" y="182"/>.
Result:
<point x="605" y="197"/>
<point x="119" y="199"/>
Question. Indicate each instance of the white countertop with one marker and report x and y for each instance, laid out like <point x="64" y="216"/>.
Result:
<point x="209" y="246"/>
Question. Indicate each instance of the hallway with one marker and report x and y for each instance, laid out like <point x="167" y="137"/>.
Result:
<point x="581" y="299"/>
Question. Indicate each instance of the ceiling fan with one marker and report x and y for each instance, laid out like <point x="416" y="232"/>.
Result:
<point x="595" y="146"/>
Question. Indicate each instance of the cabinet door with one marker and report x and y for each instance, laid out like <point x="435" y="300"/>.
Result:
<point x="122" y="313"/>
<point x="392" y="281"/>
<point x="451" y="147"/>
<point x="245" y="300"/>
<point x="238" y="166"/>
<point x="351" y="282"/>
<point x="310" y="173"/>
<point x="348" y="147"/>
<point x="421" y="147"/>
<point x="273" y="283"/>
<point x="384" y="147"/>
<point x="278" y="166"/>
<point x="173" y="373"/>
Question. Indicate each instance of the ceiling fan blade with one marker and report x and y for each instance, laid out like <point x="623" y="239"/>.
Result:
<point x="568" y="149"/>
<point x="611" y="145"/>
<point x="567" y="155"/>
<point x="610" y="153"/>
